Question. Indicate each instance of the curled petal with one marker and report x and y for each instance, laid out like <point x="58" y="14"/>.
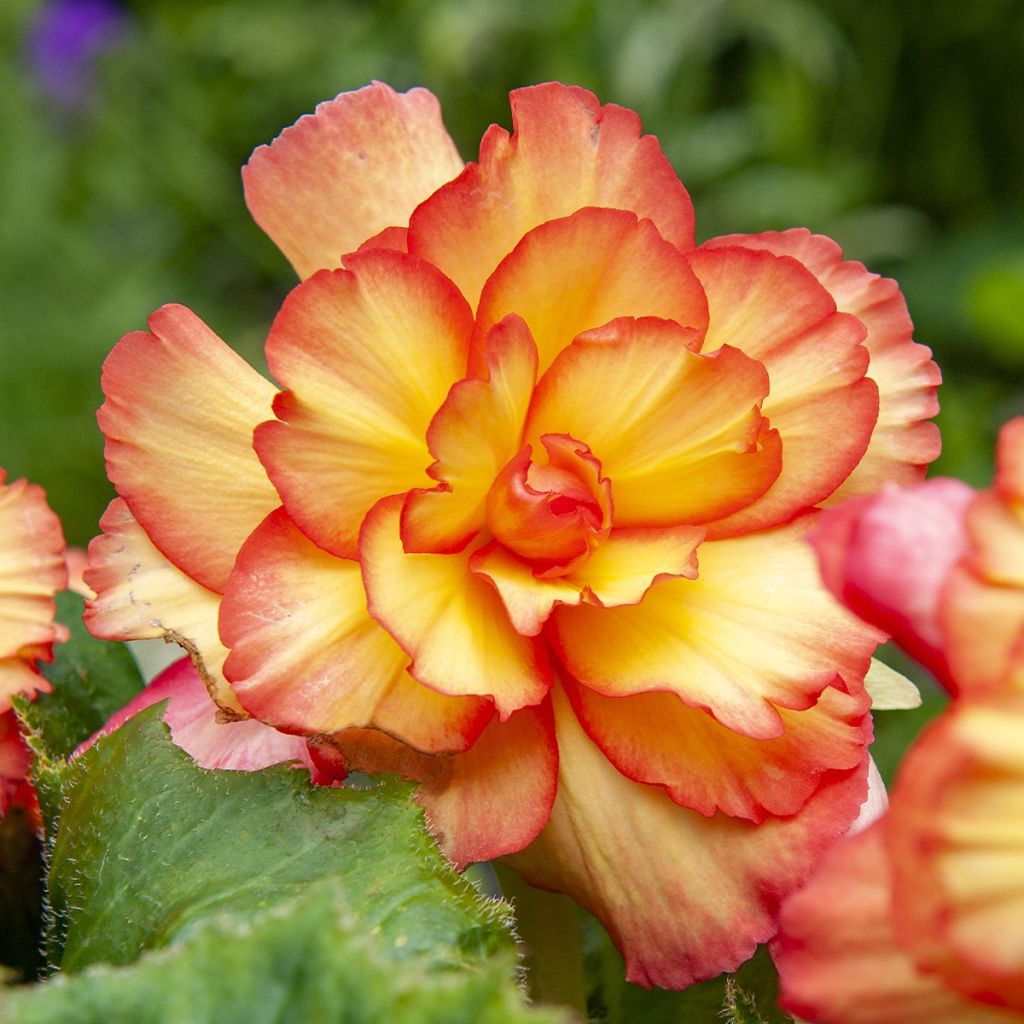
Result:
<point x="361" y="163"/>
<point x="887" y="558"/>
<point x="825" y="409"/>
<point x="682" y="638"/>
<point x="178" y="417"/>
<point x="655" y="738"/>
<point x="32" y="570"/>
<point x="566" y="152"/>
<point x="838" y="956"/>
<point x="956" y="839"/>
<point x="368" y="355"/>
<point x="496" y="797"/>
<point x="680" y="435"/>
<point x="696" y="901"/>
<point x="451" y="622"/>
<point x="140" y="595"/>
<point x="902" y="443"/>
<point x="576" y="273"/>
<point x="196" y="727"/>
<point x="307" y="657"/>
<point x="474" y="434"/>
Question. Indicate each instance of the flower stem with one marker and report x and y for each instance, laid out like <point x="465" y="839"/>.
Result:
<point x="549" y="936"/>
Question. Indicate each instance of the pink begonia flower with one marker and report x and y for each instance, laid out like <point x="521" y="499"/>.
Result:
<point x="527" y="521"/>
<point x="921" y="918"/>
<point x="32" y="570"/>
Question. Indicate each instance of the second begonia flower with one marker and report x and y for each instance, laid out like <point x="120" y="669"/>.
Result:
<point x="526" y="521"/>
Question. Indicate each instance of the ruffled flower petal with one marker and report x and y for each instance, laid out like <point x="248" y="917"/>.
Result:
<point x="699" y="898"/>
<point x="450" y="621"/>
<point x="683" y="637"/>
<point x="307" y="657"/>
<point x="679" y="435"/>
<point x="903" y="442"/>
<point x="821" y="403"/>
<point x="839" y="959"/>
<point x="655" y="738"/>
<point x="178" y="417"/>
<point x="360" y="164"/>
<point x="477" y="430"/>
<point x="566" y="152"/>
<point x="32" y="570"/>
<point x="368" y="355"/>
<point x="140" y="595"/>
<point x="577" y="273"/>
<point x="956" y="840"/>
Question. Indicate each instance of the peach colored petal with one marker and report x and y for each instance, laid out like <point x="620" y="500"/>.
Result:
<point x="839" y="959"/>
<point x="684" y="897"/>
<point x="566" y="152"/>
<point x="1010" y="460"/>
<point x="307" y="657"/>
<point x="956" y="839"/>
<point x="680" y="435"/>
<point x="141" y="595"/>
<point x="619" y="571"/>
<point x="450" y="621"/>
<point x="755" y="632"/>
<point x="477" y="430"/>
<point x="178" y="417"/>
<point x="887" y="558"/>
<point x="197" y="728"/>
<point x="655" y="738"/>
<point x="368" y="355"/>
<point x="32" y="570"/>
<point x="495" y="798"/>
<point x="576" y="273"/>
<point x="361" y="163"/>
<point x="822" y="405"/>
<point x="902" y="443"/>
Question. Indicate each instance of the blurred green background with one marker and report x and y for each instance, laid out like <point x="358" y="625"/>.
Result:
<point x="897" y="128"/>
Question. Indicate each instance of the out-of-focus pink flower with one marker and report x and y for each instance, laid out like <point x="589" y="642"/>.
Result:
<point x="920" y="920"/>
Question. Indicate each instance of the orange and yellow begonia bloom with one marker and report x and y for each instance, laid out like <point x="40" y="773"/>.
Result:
<point x="32" y="570"/>
<point x="920" y="919"/>
<point x="524" y="517"/>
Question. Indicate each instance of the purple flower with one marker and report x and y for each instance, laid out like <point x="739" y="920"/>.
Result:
<point x="65" y="40"/>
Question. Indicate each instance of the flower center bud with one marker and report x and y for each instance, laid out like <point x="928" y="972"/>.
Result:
<point x="553" y="513"/>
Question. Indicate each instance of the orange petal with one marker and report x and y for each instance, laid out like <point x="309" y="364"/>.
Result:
<point x="839" y="959"/>
<point x="655" y="738"/>
<point x="179" y="415"/>
<point x="619" y="571"/>
<point x="140" y="595"/>
<point x="474" y="434"/>
<point x="566" y="152"/>
<point x="956" y="838"/>
<point x="359" y="164"/>
<point x="306" y="656"/>
<point x="368" y="355"/>
<point x="684" y="897"/>
<point x="774" y="310"/>
<point x="576" y="273"/>
<point x="496" y="797"/>
<point x="755" y="632"/>
<point x="903" y="443"/>
<point x="32" y="570"/>
<point x="450" y="621"/>
<point x="679" y="435"/>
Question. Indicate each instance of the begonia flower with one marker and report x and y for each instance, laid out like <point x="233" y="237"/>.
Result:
<point x="32" y="570"/>
<point x="526" y="519"/>
<point x="921" y="918"/>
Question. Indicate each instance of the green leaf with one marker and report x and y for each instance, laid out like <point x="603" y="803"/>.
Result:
<point x="91" y="680"/>
<point x="21" y="895"/>
<point x="307" y="959"/>
<point x="149" y="845"/>
<point x="749" y="996"/>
